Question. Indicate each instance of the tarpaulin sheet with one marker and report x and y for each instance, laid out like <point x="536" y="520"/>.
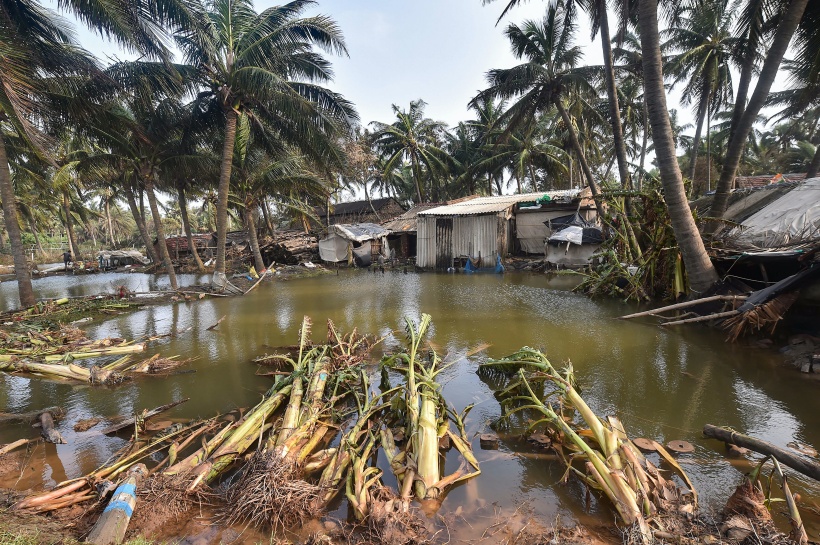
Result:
<point x="333" y="249"/>
<point x="359" y="232"/>
<point x="793" y="217"/>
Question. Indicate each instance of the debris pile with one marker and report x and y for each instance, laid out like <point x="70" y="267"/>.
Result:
<point x="290" y="248"/>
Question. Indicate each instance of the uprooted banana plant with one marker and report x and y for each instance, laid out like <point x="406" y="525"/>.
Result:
<point x="423" y="415"/>
<point x="612" y="463"/>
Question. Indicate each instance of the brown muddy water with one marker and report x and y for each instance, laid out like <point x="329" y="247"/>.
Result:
<point x="663" y="384"/>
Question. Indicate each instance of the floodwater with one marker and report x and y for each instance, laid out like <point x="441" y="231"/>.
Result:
<point x="663" y="384"/>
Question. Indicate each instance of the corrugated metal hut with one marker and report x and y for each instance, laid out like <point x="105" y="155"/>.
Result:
<point x="404" y="230"/>
<point x="487" y="227"/>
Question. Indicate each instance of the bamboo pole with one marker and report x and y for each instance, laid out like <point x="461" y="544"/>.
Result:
<point x="702" y="318"/>
<point x="797" y="462"/>
<point x="685" y="304"/>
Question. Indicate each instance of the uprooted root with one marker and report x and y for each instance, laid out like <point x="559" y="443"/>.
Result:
<point x="270" y="493"/>
<point x="167" y="497"/>
<point x="392" y="522"/>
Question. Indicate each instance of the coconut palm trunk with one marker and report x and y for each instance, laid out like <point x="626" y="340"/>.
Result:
<point x="704" y="108"/>
<point x="109" y="224"/>
<point x="33" y="226"/>
<point x="576" y="145"/>
<point x="266" y="215"/>
<point x="219" y="279"/>
<point x="614" y="108"/>
<point x="644" y="144"/>
<point x="138" y="219"/>
<point x="785" y="30"/>
<point x="814" y="166"/>
<point x="186" y="224"/>
<point x="163" y="247"/>
<point x="699" y="268"/>
<point x="21" y="272"/>
<point x="69" y="226"/>
<point x="250" y="225"/>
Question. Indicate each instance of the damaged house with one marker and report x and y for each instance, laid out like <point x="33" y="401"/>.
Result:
<point x="360" y="244"/>
<point x="488" y="228"/>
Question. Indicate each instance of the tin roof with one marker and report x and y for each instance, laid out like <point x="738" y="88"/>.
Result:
<point x="491" y="205"/>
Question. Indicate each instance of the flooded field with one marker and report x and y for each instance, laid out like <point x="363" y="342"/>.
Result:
<point x="663" y="384"/>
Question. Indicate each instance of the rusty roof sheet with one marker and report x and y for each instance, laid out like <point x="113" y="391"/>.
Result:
<point x="492" y="205"/>
<point x="406" y="223"/>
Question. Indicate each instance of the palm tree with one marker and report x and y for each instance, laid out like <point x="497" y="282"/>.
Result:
<point x="545" y="80"/>
<point x="699" y="268"/>
<point x="703" y="47"/>
<point x="258" y="173"/>
<point x="599" y="18"/>
<point x="415" y="139"/>
<point x="263" y="65"/>
<point x="788" y="19"/>
<point x="38" y="54"/>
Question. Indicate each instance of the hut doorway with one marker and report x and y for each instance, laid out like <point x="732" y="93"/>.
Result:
<point x="444" y="243"/>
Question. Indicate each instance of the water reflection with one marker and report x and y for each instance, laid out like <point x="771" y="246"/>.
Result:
<point x="664" y="384"/>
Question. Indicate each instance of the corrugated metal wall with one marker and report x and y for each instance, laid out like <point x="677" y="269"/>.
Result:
<point x="483" y="235"/>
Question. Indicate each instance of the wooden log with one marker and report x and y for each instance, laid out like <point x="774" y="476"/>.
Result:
<point x="707" y="318"/>
<point x="126" y="422"/>
<point x="113" y="523"/>
<point x="31" y="416"/>
<point x="48" y="432"/>
<point x="795" y="461"/>
<point x="685" y="304"/>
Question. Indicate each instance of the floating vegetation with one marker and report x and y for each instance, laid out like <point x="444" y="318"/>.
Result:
<point x="54" y="313"/>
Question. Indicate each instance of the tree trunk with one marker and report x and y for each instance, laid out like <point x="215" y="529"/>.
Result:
<point x="24" y="289"/>
<point x="33" y="228"/>
<point x="370" y="202"/>
<point x="518" y="182"/>
<point x="814" y="166"/>
<point x="785" y="30"/>
<point x="108" y="222"/>
<point x="705" y="94"/>
<point x="579" y="151"/>
<point x="160" y="230"/>
<point x="186" y="225"/>
<point x="146" y="238"/>
<point x="416" y="175"/>
<point x="614" y="108"/>
<point x="250" y="225"/>
<point x="69" y="225"/>
<point x="644" y="144"/>
<point x="699" y="268"/>
<point x="219" y="279"/>
<point x="266" y="215"/>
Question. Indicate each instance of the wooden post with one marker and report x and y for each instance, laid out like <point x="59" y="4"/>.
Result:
<point x="113" y="523"/>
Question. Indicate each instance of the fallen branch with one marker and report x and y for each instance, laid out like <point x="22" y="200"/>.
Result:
<point x="796" y="521"/>
<point x="31" y="416"/>
<point x="795" y="461"/>
<point x="685" y="304"/>
<point x="145" y="416"/>
<point x="707" y="318"/>
<point x="216" y="324"/>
